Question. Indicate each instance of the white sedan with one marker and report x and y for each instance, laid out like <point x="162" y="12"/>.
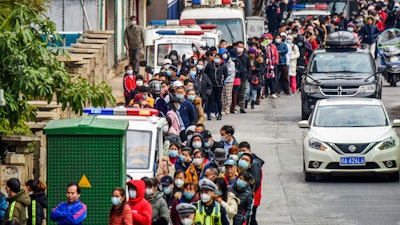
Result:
<point x="350" y="136"/>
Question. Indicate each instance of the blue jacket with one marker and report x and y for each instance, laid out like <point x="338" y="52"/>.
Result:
<point x="282" y="50"/>
<point x="179" y="165"/>
<point x="188" y="113"/>
<point x="368" y="34"/>
<point x="3" y="206"/>
<point x="67" y="214"/>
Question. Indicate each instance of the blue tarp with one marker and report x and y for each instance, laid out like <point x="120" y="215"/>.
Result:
<point x="173" y="10"/>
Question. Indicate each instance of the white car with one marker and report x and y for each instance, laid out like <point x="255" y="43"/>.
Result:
<point x="350" y="136"/>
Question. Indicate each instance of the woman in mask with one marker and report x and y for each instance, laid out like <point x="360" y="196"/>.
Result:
<point x="193" y="172"/>
<point x="196" y="102"/>
<point x="120" y="213"/>
<point x="226" y="199"/>
<point x="140" y="208"/>
<point x="166" y="166"/>
<point x="205" y="84"/>
<point x="176" y="121"/>
<point x="159" y="206"/>
<point x="352" y="28"/>
<point x="242" y="191"/>
<point x="189" y="195"/>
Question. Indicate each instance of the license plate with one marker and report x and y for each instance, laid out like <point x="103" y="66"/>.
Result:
<point x="352" y="161"/>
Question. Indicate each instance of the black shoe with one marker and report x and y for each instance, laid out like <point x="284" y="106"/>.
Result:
<point x="219" y="117"/>
<point x="252" y="104"/>
<point x="208" y="117"/>
<point x="233" y="111"/>
<point x="242" y="111"/>
<point x="257" y="102"/>
<point x="245" y="104"/>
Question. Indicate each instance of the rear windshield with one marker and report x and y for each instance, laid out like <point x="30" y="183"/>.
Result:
<point x="335" y="62"/>
<point x="138" y="144"/>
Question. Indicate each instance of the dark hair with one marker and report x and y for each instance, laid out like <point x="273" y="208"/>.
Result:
<point x="244" y="144"/>
<point x="221" y="183"/>
<point x="78" y="189"/>
<point x="198" y="151"/>
<point x="126" y="67"/>
<point x="143" y="89"/>
<point x="132" y="17"/>
<point x="179" y="172"/>
<point x="169" y="121"/>
<point x="240" y="42"/>
<point x="246" y="175"/>
<point x="222" y="41"/>
<point x="149" y="182"/>
<point x="194" y="185"/>
<point x="249" y="155"/>
<point x="120" y="209"/>
<point x="228" y="129"/>
<point x="175" y="144"/>
<point x="139" y="77"/>
<point x="36" y="185"/>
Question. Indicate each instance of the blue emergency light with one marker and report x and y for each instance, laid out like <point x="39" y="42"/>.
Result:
<point x="121" y="111"/>
<point x="179" y="32"/>
<point x="172" y="22"/>
<point x="310" y="6"/>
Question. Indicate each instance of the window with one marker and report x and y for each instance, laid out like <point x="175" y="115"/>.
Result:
<point x="165" y="49"/>
<point x="232" y="29"/>
<point x="138" y="149"/>
<point x="341" y="62"/>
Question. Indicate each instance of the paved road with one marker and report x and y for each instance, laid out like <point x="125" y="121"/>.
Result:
<point x="272" y="131"/>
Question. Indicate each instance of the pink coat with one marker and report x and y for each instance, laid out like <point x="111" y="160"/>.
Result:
<point x="175" y="125"/>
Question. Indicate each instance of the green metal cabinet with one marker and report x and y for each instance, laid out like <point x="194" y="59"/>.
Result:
<point x="86" y="147"/>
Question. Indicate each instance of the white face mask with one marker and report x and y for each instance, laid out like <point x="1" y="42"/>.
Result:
<point x="133" y="22"/>
<point x="198" y="161"/>
<point x="205" y="197"/>
<point x="179" y="183"/>
<point x="234" y="157"/>
<point x="187" y="221"/>
<point x="149" y="191"/>
<point x="139" y="83"/>
<point x="132" y="194"/>
<point x="240" y="50"/>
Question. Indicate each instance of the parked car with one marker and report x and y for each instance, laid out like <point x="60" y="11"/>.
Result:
<point x="350" y="136"/>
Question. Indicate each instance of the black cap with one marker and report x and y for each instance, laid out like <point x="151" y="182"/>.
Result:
<point x="184" y="71"/>
<point x="206" y="134"/>
<point x="219" y="154"/>
<point x="14" y="185"/>
<point x="166" y="180"/>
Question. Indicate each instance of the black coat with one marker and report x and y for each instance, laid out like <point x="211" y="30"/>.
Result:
<point x="41" y="204"/>
<point x="244" y="207"/>
<point x="203" y="85"/>
<point x="217" y="75"/>
<point x="245" y="67"/>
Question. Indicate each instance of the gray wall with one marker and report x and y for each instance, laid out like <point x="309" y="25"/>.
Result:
<point x="68" y="14"/>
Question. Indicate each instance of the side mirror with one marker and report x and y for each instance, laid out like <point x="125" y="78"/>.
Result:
<point x="303" y="124"/>
<point x="396" y="123"/>
<point x="149" y="69"/>
<point x="143" y="63"/>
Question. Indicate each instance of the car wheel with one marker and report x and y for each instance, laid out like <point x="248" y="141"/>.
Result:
<point x="393" y="177"/>
<point x="393" y="81"/>
<point x="309" y="177"/>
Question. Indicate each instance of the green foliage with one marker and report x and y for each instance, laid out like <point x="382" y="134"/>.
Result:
<point x="29" y="69"/>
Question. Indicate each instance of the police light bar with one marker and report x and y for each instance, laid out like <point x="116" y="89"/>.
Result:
<point x="310" y="6"/>
<point x="179" y="32"/>
<point x="207" y="26"/>
<point x="173" y="22"/>
<point x="121" y="111"/>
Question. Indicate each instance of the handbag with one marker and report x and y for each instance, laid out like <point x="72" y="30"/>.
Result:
<point x="236" y="81"/>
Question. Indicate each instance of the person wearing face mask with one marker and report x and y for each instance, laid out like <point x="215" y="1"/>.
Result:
<point x="166" y="166"/>
<point x="209" y="212"/>
<point x="242" y="191"/>
<point x="305" y="53"/>
<point x="160" y="211"/>
<point x="272" y="60"/>
<point x="209" y="144"/>
<point x="140" y="208"/>
<point x="228" y="85"/>
<point x="256" y="171"/>
<point x="233" y="153"/>
<point x="174" y="57"/>
<point x="138" y="83"/>
<point x="186" y="213"/>
<point x="244" y="74"/>
<point x="352" y="28"/>
<point x="193" y="82"/>
<point x="274" y="16"/>
<point x="176" y="121"/>
<point x="205" y="85"/>
<point x="392" y="19"/>
<point x="227" y="138"/>
<point x="217" y="162"/>
<point x="217" y="73"/>
<point x="196" y="101"/>
<point x="194" y="170"/>
<point x="189" y="195"/>
<point x="185" y="159"/>
<point x="134" y="42"/>
<point x="244" y="164"/>
<point x="226" y="199"/>
<point x="167" y="186"/>
<point x="282" y="66"/>
<point x="161" y="102"/>
<point x="337" y="22"/>
<point x="293" y="63"/>
<point x="230" y="174"/>
<point x="256" y="80"/>
<point x="186" y="110"/>
<point x="144" y="91"/>
<point x="120" y="213"/>
<point x="129" y="82"/>
<point x="369" y="33"/>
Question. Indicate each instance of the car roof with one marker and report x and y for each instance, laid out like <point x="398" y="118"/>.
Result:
<point x="311" y="12"/>
<point x="341" y="50"/>
<point x="349" y="101"/>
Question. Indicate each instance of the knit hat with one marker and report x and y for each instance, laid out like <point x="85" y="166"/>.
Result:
<point x="252" y="51"/>
<point x="351" y="25"/>
<point x="14" y="185"/>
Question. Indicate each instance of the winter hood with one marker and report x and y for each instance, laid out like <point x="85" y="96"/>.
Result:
<point x="140" y="190"/>
<point x="21" y="197"/>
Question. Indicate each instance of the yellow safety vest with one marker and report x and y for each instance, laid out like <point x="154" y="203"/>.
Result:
<point x="204" y="219"/>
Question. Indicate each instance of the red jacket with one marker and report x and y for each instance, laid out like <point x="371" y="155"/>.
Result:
<point x="129" y="84"/>
<point x="141" y="208"/>
<point x="257" y="193"/>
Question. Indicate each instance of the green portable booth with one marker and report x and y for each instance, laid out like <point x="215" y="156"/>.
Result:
<point x="90" y="152"/>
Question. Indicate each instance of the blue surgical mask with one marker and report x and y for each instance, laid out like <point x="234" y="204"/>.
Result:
<point x="218" y="192"/>
<point x="195" y="62"/>
<point x="240" y="183"/>
<point x="207" y="144"/>
<point x="182" y="158"/>
<point x="199" y="67"/>
<point x="243" y="164"/>
<point x="217" y="61"/>
<point x="193" y="74"/>
<point x="179" y="96"/>
<point x="289" y="41"/>
<point x="196" y="144"/>
<point x="240" y="154"/>
<point x="173" y="153"/>
<point x="188" y="195"/>
<point x="223" y="139"/>
<point x="191" y="97"/>
<point x="167" y="190"/>
<point x="189" y="137"/>
<point x="169" y="73"/>
<point x="300" y="44"/>
<point x="115" y="201"/>
<point x="132" y="194"/>
<point x="129" y="72"/>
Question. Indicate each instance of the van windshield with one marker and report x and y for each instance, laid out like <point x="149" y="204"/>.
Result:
<point x="164" y="50"/>
<point x="138" y="149"/>
<point x="341" y="62"/>
<point x="232" y="29"/>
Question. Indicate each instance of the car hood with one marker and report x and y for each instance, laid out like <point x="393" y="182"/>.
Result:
<point x="351" y="134"/>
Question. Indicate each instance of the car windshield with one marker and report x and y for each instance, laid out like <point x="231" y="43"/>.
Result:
<point x="164" y="50"/>
<point x="341" y="62"/>
<point x="232" y="29"/>
<point x="138" y="149"/>
<point x="350" y="116"/>
<point x="210" y="41"/>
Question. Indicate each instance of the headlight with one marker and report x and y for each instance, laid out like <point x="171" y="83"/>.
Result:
<point x="311" y="89"/>
<point x="386" y="144"/>
<point x="367" y="88"/>
<point x="317" y="144"/>
<point x="394" y="59"/>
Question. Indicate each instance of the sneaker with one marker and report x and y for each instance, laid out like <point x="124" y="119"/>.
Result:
<point x="233" y="111"/>
<point x="242" y="111"/>
<point x="227" y="112"/>
<point x="274" y="96"/>
<point x="223" y="113"/>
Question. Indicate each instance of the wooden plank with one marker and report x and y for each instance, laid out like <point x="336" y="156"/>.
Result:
<point x="44" y="104"/>
<point x="71" y="58"/>
<point x="92" y="41"/>
<point x="89" y="46"/>
<point x="99" y="31"/>
<point x="86" y="56"/>
<point x="97" y="36"/>
<point x="83" y="50"/>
